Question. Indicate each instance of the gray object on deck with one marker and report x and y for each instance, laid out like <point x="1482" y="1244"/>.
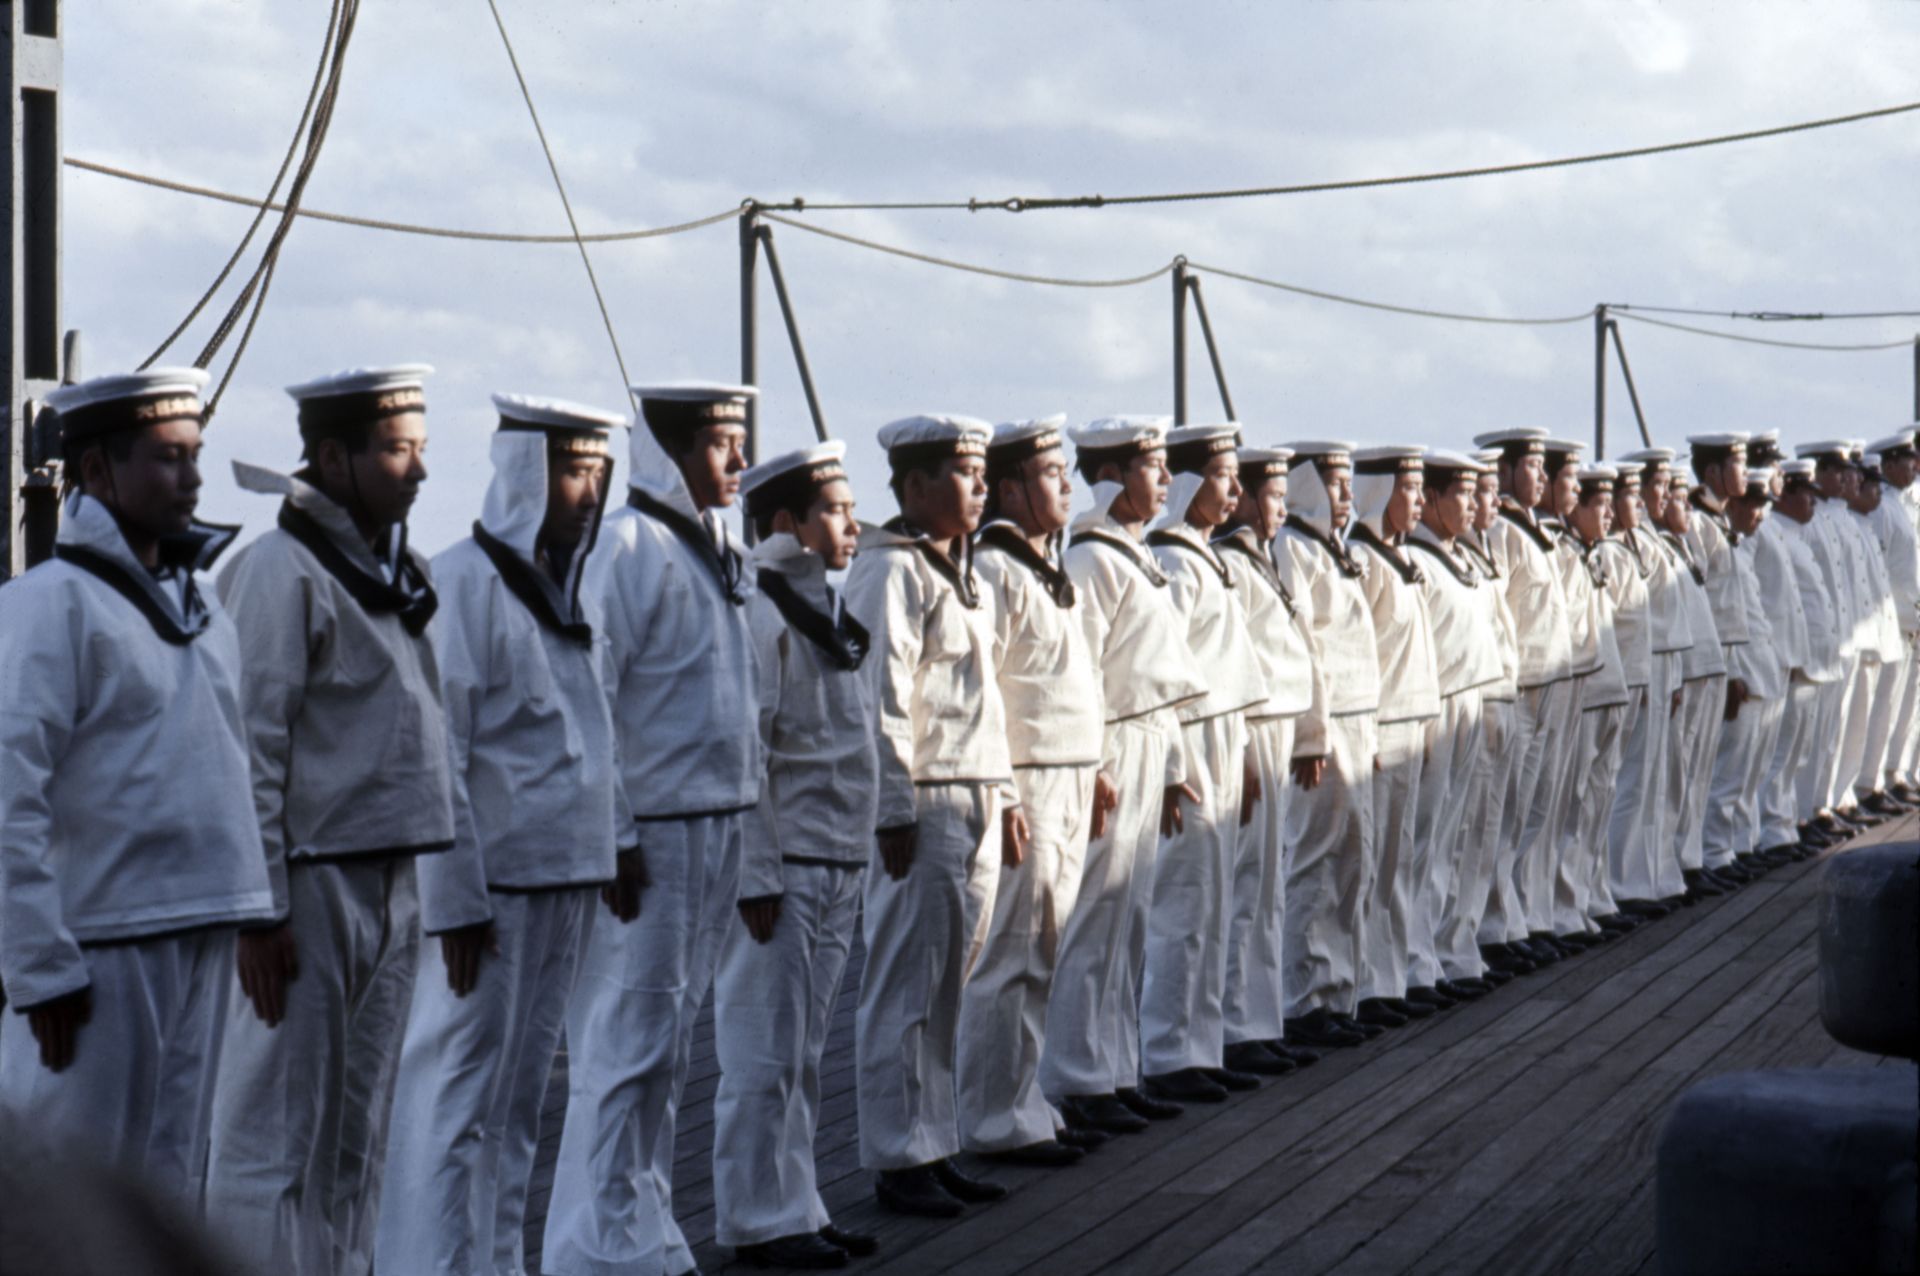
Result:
<point x="1799" y="1170"/>
<point x="1870" y="949"/>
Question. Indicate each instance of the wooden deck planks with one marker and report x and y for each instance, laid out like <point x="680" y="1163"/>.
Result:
<point x="1515" y="1134"/>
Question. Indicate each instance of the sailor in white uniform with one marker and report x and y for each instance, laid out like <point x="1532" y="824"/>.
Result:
<point x="1524" y="552"/>
<point x="1832" y="537"/>
<point x="1444" y="902"/>
<point x="1329" y="825"/>
<point x="1703" y="708"/>
<point x="1882" y="647"/>
<point x="1787" y="809"/>
<point x="671" y="587"/>
<point x="128" y="849"/>
<point x="1051" y="689"/>
<point x="1182" y="1024"/>
<point x="352" y="780"/>
<point x="801" y="870"/>
<point x="1388" y="492"/>
<point x="1890" y="528"/>
<point x="1772" y="837"/>
<point x="1254" y="1000"/>
<point x="945" y="808"/>
<point x="539" y="814"/>
<point x="1897" y="468"/>
<point x="1138" y="642"/>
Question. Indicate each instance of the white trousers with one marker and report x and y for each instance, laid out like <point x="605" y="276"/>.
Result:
<point x="1452" y="746"/>
<point x="1703" y="711"/>
<point x="139" y="1092"/>
<point x="1877" y="740"/>
<point x="1092" y="1043"/>
<point x="473" y="1075"/>
<point x="1850" y="743"/>
<point x="1253" y="1001"/>
<point x="1746" y="747"/>
<point x="1814" y="784"/>
<point x="1549" y="761"/>
<point x="1381" y="955"/>
<point x="1633" y="824"/>
<point x="1003" y="1008"/>
<point x="772" y="1004"/>
<point x="629" y="1041"/>
<point x="1510" y="728"/>
<point x="301" y="1110"/>
<point x="1780" y="809"/>
<point x="1329" y="840"/>
<point x="1470" y="921"/>
<point x="1905" y="751"/>
<point x="1181" y="1020"/>
<point x="923" y="934"/>
<point x="1584" y="891"/>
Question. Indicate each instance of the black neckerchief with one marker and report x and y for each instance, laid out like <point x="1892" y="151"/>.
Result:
<point x="1262" y="564"/>
<point x="534" y="591"/>
<point x="1129" y="548"/>
<point x="1633" y="547"/>
<point x="1404" y="567"/>
<point x="729" y="570"/>
<point x="1680" y="550"/>
<point x="123" y="582"/>
<point x="1342" y="557"/>
<point x="1481" y="553"/>
<point x="413" y="601"/>
<point x="1006" y="537"/>
<point x="1461" y="572"/>
<point x="1696" y="498"/>
<point x="1168" y="537"/>
<point x="1595" y="568"/>
<point x="960" y="577"/>
<point x="845" y="643"/>
<point x="1525" y="521"/>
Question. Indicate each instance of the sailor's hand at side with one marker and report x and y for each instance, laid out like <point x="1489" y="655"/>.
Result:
<point x="1014" y="836"/>
<point x="1308" y="772"/>
<point x="1737" y="695"/>
<point x="1172" y="819"/>
<point x="760" y="915"/>
<point x="1249" y="791"/>
<point x="56" y="1026"/>
<point x="1106" y="798"/>
<point x="896" y="850"/>
<point x="462" y="948"/>
<point x="268" y="962"/>
<point x="630" y="881"/>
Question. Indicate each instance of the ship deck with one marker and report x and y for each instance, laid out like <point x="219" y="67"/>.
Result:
<point x="1515" y="1134"/>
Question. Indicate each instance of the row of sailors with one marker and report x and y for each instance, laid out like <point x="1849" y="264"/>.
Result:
<point x="1270" y="750"/>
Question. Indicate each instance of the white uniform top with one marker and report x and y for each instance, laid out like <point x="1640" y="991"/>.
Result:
<point x="1047" y="678"/>
<point x="1135" y="637"/>
<point x="1779" y="592"/>
<point x="1813" y="579"/>
<point x="1893" y="527"/>
<point x="1280" y="638"/>
<point x="1203" y="591"/>
<point x="124" y="807"/>
<point x="1536" y="596"/>
<point x="341" y="688"/>
<point x="817" y="722"/>
<point x="1828" y="535"/>
<point x="1588" y="590"/>
<point x="1707" y="538"/>
<point x="1402" y="630"/>
<point x="1503" y="633"/>
<point x="1756" y="661"/>
<point x="1459" y="598"/>
<point x="1630" y="604"/>
<point x="537" y="798"/>
<point x="935" y="687"/>
<point x="1585" y="622"/>
<point x="671" y="589"/>
<point x="1706" y="657"/>
<point x="1661" y="567"/>
<point x="1877" y="631"/>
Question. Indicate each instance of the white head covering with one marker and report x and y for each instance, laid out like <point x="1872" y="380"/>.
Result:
<point x="1111" y="434"/>
<point x="1208" y="439"/>
<point x="1306" y="489"/>
<point x="515" y="506"/>
<point x="1376" y="472"/>
<point x="649" y="468"/>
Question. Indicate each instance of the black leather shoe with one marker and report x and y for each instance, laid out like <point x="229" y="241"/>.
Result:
<point x="1047" y="1155"/>
<point x="1784" y="853"/>
<point x="1142" y="1104"/>
<point x="1699" y="884"/>
<point x="1254" y="1058"/>
<point x="1410" y="1009"/>
<point x="1645" y="908"/>
<point x="1734" y="872"/>
<point x="1582" y="939"/>
<point x="1230" y="1079"/>
<point x="1500" y="977"/>
<point x="916" y="1191"/>
<point x="971" y="1190"/>
<point x="1300" y="1055"/>
<point x="1459" y="990"/>
<point x="807" y="1251"/>
<point x="1537" y="951"/>
<point x="1512" y="964"/>
<point x="1353" y="1024"/>
<point x="858" y="1244"/>
<point x="1318" y="1029"/>
<point x="1102" y="1112"/>
<point x="1429" y="997"/>
<point x="1374" y="1013"/>
<point x="1085" y="1137"/>
<point x="1185" y="1085"/>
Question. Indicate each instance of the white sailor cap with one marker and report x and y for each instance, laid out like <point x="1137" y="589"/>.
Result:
<point x="1653" y="458"/>
<point x="358" y="395"/>
<point x="1855" y="447"/>
<point x="1870" y="463"/>
<point x="1561" y="453"/>
<point x="1706" y="446"/>
<point x="1321" y="453"/>
<point x="1629" y="471"/>
<point x="1258" y="464"/>
<point x="1823" y="450"/>
<point x="1759" y="484"/>
<point x="1191" y="447"/>
<point x="1598" y="477"/>
<point x="933" y="437"/>
<point x="1016" y="441"/>
<point x="1800" y="471"/>
<point x="1763" y="448"/>
<point x="1489" y="457"/>
<point x="1440" y="458"/>
<point x="569" y="427"/>
<point x="1894" y="444"/>
<point x="1121" y="434"/>
<point x="1395" y="458"/>
<point x="788" y="479"/>
<point x="678" y="408"/>
<point x="107" y="405"/>
<point x="1515" y="441"/>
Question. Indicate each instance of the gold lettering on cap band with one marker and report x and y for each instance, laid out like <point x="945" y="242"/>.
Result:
<point x="166" y="409"/>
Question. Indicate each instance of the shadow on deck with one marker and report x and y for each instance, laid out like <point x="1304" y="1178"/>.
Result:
<point x="1513" y="1135"/>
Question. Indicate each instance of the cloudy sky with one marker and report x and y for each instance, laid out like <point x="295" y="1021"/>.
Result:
<point x="663" y="112"/>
